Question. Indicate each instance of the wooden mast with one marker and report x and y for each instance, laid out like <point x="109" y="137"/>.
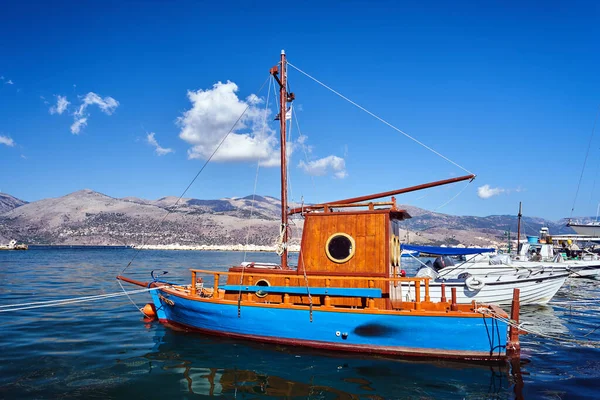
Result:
<point x="283" y="98"/>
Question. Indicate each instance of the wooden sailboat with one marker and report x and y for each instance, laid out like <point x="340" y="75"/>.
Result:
<point x="338" y="297"/>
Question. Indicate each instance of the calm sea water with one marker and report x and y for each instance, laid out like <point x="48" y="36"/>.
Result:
<point x="105" y="350"/>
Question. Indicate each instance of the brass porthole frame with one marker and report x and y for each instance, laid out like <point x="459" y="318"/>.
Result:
<point x="352" y="250"/>
<point x="259" y="293"/>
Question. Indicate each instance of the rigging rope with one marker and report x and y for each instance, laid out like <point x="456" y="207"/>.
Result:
<point x="312" y="178"/>
<point x="584" y="162"/>
<point x="310" y="302"/>
<point x="257" y="170"/>
<point x="379" y="118"/>
<point x="172" y="208"/>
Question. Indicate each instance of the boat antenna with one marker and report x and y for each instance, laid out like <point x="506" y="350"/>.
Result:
<point x="279" y="72"/>
<point x="587" y="153"/>
<point x="519" y="229"/>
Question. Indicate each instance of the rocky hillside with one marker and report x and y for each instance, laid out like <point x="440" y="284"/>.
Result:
<point x="8" y="202"/>
<point x="91" y="218"/>
<point x="88" y="217"/>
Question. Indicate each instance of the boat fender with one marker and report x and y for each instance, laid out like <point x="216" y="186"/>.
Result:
<point x="149" y="311"/>
<point x="474" y="283"/>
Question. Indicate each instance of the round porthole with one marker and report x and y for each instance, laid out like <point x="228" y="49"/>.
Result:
<point x="265" y="283"/>
<point x="340" y="247"/>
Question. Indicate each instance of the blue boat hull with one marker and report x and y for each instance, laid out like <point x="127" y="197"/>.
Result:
<point x="421" y="335"/>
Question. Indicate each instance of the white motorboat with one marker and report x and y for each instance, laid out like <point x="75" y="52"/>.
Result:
<point x="531" y="258"/>
<point x="479" y="283"/>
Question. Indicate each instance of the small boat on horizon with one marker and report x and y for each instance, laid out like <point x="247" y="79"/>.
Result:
<point x="13" y="245"/>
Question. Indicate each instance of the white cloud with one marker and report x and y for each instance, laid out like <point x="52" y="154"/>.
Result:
<point x="7" y="141"/>
<point x="161" y="151"/>
<point x="334" y="164"/>
<point x="213" y="113"/>
<point x="61" y="105"/>
<point x="77" y="125"/>
<point x="107" y="105"/>
<point x="485" y="191"/>
<point x="9" y="82"/>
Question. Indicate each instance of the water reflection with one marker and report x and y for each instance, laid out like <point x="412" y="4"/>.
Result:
<point x="221" y="367"/>
<point x="542" y="317"/>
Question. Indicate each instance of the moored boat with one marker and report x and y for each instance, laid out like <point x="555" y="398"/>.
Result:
<point x="13" y="245"/>
<point x="589" y="229"/>
<point x="341" y="294"/>
<point x="484" y="282"/>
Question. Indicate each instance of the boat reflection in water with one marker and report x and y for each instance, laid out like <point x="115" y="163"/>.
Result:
<point x="203" y="365"/>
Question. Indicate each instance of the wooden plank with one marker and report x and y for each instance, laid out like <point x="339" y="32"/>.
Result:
<point x="314" y="291"/>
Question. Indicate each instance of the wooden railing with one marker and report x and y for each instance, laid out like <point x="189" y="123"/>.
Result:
<point x="315" y="282"/>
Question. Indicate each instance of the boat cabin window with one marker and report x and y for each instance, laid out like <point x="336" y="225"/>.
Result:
<point x="340" y="247"/>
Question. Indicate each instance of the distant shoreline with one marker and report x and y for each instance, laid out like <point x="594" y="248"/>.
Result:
<point x="215" y="247"/>
<point x="237" y="247"/>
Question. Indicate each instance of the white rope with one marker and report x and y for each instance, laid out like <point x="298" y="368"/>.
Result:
<point x="379" y="118"/>
<point x="131" y="300"/>
<point x="280" y="247"/>
<point x="63" y="302"/>
<point x="455" y="196"/>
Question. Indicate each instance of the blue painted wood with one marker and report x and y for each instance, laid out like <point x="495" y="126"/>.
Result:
<point x="425" y="334"/>
<point x="331" y="291"/>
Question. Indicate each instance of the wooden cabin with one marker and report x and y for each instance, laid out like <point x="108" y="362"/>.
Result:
<point x="359" y="240"/>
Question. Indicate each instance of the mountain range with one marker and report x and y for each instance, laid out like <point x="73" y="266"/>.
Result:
<point x="87" y="217"/>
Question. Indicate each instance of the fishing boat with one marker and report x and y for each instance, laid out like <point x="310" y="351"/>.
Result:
<point x="340" y="295"/>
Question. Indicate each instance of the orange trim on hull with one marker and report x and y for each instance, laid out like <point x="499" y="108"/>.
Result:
<point x="415" y="313"/>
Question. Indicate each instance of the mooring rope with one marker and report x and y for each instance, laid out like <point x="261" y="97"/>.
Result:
<point x="73" y="300"/>
<point x="514" y="324"/>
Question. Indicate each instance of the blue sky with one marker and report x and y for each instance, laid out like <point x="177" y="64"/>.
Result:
<point x="508" y="91"/>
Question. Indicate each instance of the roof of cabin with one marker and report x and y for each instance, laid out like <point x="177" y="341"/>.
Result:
<point x="394" y="213"/>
